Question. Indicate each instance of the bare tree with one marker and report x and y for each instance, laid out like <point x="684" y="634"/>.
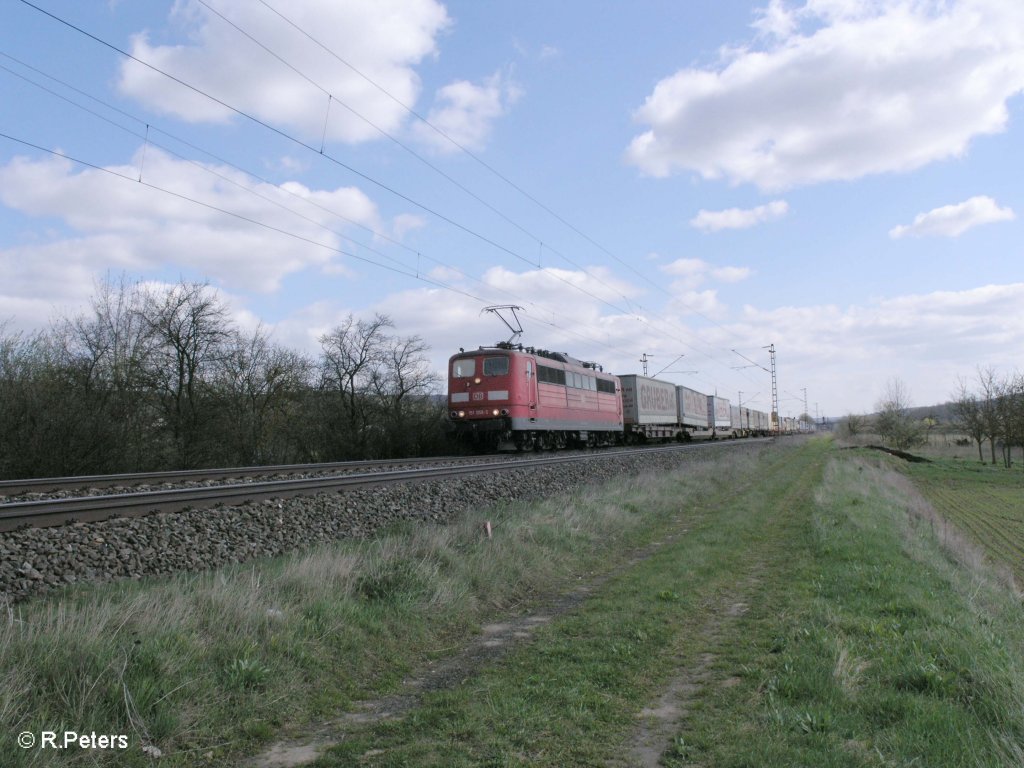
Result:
<point x="159" y="378"/>
<point x="51" y="422"/>
<point x="1010" y="411"/>
<point x="988" y="401"/>
<point x="260" y="385"/>
<point x="188" y="326"/>
<point x="401" y="385"/>
<point x="968" y="414"/>
<point x="113" y="344"/>
<point x="854" y="424"/>
<point x="353" y="353"/>
<point x="895" y="424"/>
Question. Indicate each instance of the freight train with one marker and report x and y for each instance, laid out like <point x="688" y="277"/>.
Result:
<point x="513" y="398"/>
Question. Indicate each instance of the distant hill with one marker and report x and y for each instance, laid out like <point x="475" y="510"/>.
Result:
<point x="942" y="413"/>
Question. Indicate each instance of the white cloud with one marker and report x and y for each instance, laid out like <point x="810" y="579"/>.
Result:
<point x="562" y="290"/>
<point x="842" y="355"/>
<point x="109" y="223"/>
<point x="293" y="166"/>
<point x="739" y="218"/>
<point x="704" y="303"/>
<point x="686" y="267"/>
<point x="466" y="111"/>
<point x="404" y="223"/>
<point x="954" y="220"/>
<point x="776" y="20"/>
<point x="384" y="39"/>
<point x="731" y="274"/>
<point x="694" y="272"/>
<point x="839" y="90"/>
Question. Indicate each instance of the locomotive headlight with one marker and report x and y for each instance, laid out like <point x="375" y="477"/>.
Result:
<point x="462" y="414"/>
<point x="494" y="412"/>
<point x="454" y="414"/>
<point x="504" y="412"/>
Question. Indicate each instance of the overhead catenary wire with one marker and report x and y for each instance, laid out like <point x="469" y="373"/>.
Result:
<point x="541" y="245"/>
<point x="296" y="140"/>
<point x="250" y="190"/>
<point x="459" y="185"/>
<point x="234" y="214"/>
<point x="331" y="158"/>
<point x="388" y="135"/>
<point x="476" y="158"/>
<point x="382" y="185"/>
<point x="304" y="144"/>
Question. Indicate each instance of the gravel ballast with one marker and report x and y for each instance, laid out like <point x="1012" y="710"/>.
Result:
<point x="36" y="560"/>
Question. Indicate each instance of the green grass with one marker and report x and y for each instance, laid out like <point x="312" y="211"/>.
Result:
<point x="806" y="621"/>
<point x="878" y="650"/>
<point x="222" y="663"/>
<point x="798" y="605"/>
<point x="571" y="697"/>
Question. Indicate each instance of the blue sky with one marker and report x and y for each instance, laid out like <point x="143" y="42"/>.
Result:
<point x="838" y="178"/>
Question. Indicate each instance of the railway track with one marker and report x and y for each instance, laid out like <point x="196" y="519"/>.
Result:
<point x="92" y="508"/>
<point x="10" y="488"/>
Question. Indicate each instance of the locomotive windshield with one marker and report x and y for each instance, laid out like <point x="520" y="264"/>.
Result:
<point x="463" y="369"/>
<point x="495" y="366"/>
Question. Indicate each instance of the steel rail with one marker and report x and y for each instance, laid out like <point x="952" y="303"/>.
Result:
<point x="77" y="482"/>
<point x="51" y="512"/>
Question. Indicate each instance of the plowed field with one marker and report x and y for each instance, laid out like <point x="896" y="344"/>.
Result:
<point x="985" y="502"/>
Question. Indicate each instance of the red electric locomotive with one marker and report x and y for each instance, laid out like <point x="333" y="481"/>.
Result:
<point x="512" y="397"/>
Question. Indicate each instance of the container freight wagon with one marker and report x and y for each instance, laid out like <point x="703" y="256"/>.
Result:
<point x="719" y="416"/>
<point x="648" y="408"/>
<point x="736" y="414"/>
<point x="758" y="422"/>
<point x="751" y="421"/>
<point x="692" y="408"/>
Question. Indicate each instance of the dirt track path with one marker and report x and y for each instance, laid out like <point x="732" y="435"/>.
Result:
<point x="665" y="717"/>
<point x="743" y="577"/>
<point x="495" y="640"/>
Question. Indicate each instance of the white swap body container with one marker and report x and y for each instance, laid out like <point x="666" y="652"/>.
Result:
<point x="763" y="422"/>
<point x="718" y="412"/>
<point x="693" y="407"/>
<point x="647" y="401"/>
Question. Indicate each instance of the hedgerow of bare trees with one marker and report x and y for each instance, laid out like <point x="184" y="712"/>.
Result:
<point x="992" y="412"/>
<point x="159" y="377"/>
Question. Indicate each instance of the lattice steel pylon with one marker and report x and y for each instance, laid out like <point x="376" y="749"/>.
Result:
<point x="775" y="392"/>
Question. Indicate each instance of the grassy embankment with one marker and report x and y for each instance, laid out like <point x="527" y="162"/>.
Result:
<point x="209" y="667"/>
<point x="794" y="607"/>
<point x="813" y="621"/>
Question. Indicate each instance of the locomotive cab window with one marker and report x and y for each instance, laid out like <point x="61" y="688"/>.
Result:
<point x="463" y="369"/>
<point x="495" y="366"/>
